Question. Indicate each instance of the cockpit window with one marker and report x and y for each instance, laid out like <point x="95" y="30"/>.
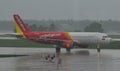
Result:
<point x="105" y="36"/>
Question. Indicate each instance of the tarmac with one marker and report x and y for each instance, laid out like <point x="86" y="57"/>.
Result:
<point x="77" y="60"/>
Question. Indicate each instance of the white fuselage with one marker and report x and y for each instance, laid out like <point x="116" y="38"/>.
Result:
<point x="90" y="37"/>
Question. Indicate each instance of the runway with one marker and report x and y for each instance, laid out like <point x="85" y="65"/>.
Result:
<point x="78" y="60"/>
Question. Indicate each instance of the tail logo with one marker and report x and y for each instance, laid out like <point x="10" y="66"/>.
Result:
<point x="20" y="23"/>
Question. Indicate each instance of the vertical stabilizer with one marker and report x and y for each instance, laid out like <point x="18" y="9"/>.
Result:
<point x="21" y="28"/>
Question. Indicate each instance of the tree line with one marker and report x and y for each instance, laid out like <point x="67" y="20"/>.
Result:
<point x="93" y="27"/>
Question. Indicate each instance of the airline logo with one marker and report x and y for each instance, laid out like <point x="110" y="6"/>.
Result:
<point x="49" y="36"/>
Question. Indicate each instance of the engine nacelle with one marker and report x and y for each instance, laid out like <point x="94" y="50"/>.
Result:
<point x="68" y="44"/>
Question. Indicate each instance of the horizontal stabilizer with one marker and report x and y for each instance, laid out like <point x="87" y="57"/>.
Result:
<point x="10" y="35"/>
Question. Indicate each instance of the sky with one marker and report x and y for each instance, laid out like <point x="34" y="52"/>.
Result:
<point x="61" y="9"/>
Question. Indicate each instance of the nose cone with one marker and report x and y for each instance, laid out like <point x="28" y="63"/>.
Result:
<point x="106" y="40"/>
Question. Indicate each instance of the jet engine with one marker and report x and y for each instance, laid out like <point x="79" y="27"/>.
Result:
<point x="68" y="44"/>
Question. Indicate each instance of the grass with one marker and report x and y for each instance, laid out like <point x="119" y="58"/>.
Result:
<point x="21" y="43"/>
<point x="112" y="45"/>
<point x="30" y="44"/>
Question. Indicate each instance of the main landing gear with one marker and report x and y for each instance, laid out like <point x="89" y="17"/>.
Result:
<point x="58" y="49"/>
<point x="59" y="45"/>
<point x="68" y="50"/>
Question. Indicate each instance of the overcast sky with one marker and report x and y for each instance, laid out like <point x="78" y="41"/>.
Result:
<point x="61" y="9"/>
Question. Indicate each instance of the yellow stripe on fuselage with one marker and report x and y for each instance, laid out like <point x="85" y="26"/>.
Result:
<point x="18" y="30"/>
<point x="69" y="36"/>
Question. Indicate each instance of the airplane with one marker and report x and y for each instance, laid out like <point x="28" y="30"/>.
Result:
<point x="68" y="40"/>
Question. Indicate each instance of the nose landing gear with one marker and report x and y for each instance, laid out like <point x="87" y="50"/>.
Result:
<point x="98" y="48"/>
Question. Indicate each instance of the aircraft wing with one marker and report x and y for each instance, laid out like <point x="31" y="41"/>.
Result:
<point x="10" y="36"/>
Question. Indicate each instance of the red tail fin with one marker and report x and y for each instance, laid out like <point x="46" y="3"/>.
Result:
<point x="20" y="25"/>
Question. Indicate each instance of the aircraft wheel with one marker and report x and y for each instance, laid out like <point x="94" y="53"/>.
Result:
<point x="68" y="50"/>
<point x="58" y="49"/>
<point x="98" y="50"/>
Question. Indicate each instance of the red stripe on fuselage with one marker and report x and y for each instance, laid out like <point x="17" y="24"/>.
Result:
<point x="37" y="36"/>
